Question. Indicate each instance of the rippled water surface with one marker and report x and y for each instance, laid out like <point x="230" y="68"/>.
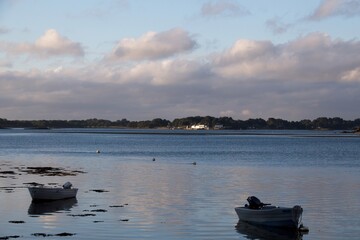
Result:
<point x="170" y="198"/>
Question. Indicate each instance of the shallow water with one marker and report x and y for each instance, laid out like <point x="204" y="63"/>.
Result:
<point x="170" y="198"/>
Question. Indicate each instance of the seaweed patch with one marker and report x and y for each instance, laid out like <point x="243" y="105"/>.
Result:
<point x="64" y="234"/>
<point x="8" y="237"/>
<point x="99" y="190"/>
<point x="17" y="222"/>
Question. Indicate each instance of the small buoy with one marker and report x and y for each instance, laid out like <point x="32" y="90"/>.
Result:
<point x="153" y="159"/>
<point x="98" y="151"/>
<point x="194" y="163"/>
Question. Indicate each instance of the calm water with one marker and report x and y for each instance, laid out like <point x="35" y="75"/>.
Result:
<point x="171" y="198"/>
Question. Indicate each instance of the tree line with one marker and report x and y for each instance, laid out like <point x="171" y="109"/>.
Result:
<point x="335" y="123"/>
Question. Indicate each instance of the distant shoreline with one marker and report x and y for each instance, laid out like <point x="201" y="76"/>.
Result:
<point x="181" y="132"/>
<point x="192" y="123"/>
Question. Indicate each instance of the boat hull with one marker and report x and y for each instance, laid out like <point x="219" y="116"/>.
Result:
<point x="271" y="216"/>
<point x="49" y="194"/>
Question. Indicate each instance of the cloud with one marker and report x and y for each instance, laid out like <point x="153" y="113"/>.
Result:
<point x="5" y="64"/>
<point x="311" y="76"/>
<point x="153" y="45"/>
<point x="48" y="45"/>
<point x="101" y="9"/>
<point x="329" y="8"/>
<point x="246" y="113"/>
<point x="166" y="72"/>
<point x="313" y="58"/>
<point x="248" y="59"/>
<point x="276" y="26"/>
<point x="223" y="8"/>
<point x="83" y="93"/>
<point x="4" y="30"/>
<point x="352" y="75"/>
<point x="227" y="113"/>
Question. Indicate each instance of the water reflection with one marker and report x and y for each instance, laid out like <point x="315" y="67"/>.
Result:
<point x="40" y="208"/>
<point x="251" y="231"/>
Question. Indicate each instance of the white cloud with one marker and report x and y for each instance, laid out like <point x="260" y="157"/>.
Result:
<point x="223" y="8"/>
<point x="169" y="72"/>
<point x="49" y="44"/>
<point x="253" y="59"/>
<point x="52" y="43"/>
<point x="352" y="75"/>
<point x="330" y="8"/>
<point x="58" y="69"/>
<point x="153" y="45"/>
<point x="246" y="113"/>
<point x="312" y="58"/>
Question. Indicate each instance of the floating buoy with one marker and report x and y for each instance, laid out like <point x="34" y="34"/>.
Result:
<point x="153" y="159"/>
<point x="194" y="163"/>
<point x="98" y="151"/>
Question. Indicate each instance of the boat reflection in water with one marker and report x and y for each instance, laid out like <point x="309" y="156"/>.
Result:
<point x="251" y="231"/>
<point x="39" y="208"/>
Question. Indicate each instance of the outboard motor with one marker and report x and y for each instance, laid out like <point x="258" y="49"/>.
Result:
<point x="67" y="185"/>
<point x="255" y="203"/>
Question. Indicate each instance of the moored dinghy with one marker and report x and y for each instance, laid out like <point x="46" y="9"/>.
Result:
<point x="49" y="194"/>
<point x="264" y="214"/>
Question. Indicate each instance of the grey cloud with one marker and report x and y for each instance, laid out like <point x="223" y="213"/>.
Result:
<point x="277" y="26"/>
<point x="312" y="58"/>
<point x="5" y="64"/>
<point x="223" y="8"/>
<point x="101" y="9"/>
<point x="308" y="77"/>
<point x="329" y="8"/>
<point x="4" y="30"/>
<point x="153" y="45"/>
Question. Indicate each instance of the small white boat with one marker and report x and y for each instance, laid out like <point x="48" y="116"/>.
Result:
<point x="263" y="214"/>
<point x="49" y="194"/>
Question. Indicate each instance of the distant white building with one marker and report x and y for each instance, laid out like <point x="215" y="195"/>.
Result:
<point x="218" y="126"/>
<point x="199" y="127"/>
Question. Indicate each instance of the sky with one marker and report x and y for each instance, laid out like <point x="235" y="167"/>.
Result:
<point x="140" y="60"/>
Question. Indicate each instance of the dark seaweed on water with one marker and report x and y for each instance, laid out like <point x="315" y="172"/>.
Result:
<point x="8" y="237"/>
<point x="64" y="234"/>
<point x="17" y="222"/>
<point x="50" y="171"/>
<point x="98" y="210"/>
<point x="7" y="172"/>
<point x="99" y="190"/>
<point x="82" y="215"/>
<point x="42" y="171"/>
